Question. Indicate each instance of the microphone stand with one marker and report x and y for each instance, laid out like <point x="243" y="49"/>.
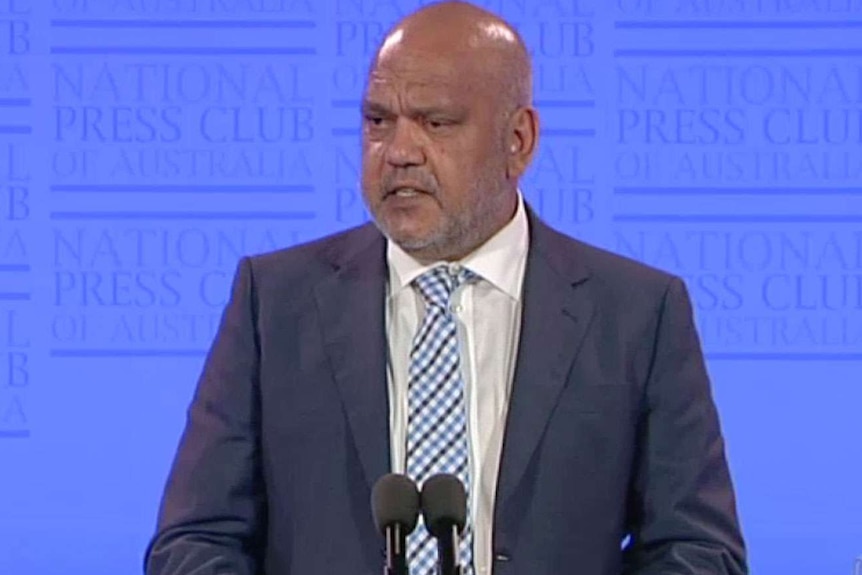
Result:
<point x="396" y="551"/>
<point x="448" y="551"/>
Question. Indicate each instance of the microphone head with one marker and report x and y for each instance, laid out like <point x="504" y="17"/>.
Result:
<point x="395" y="499"/>
<point x="444" y="504"/>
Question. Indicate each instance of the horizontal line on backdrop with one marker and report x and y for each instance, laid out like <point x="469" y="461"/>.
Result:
<point x="14" y="433"/>
<point x="14" y="267"/>
<point x="16" y="130"/>
<point x="565" y="103"/>
<point x="731" y="191"/>
<point x="568" y="133"/>
<point x="14" y="296"/>
<point x="747" y="53"/>
<point x="96" y="353"/>
<point x="181" y="188"/>
<point x="784" y="356"/>
<point x="206" y="216"/>
<point x="734" y="24"/>
<point x="15" y="102"/>
<point x="739" y="218"/>
<point x="550" y="103"/>
<point x="149" y="23"/>
<point x="183" y="50"/>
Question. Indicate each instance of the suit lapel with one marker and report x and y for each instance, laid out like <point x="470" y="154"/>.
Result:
<point x="556" y="314"/>
<point x="351" y="307"/>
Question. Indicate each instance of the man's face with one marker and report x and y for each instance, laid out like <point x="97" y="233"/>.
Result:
<point x="433" y="153"/>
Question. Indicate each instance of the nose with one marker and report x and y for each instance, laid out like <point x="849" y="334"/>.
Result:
<point x="405" y="146"/>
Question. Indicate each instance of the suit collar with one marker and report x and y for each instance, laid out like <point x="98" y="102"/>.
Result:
<point x="557" y="313"/>
<point x="350" y="304"/>
<point x="558" y="251"/>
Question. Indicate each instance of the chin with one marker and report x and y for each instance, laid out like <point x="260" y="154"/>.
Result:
<point x="406" y="233"/>
<point x="410" y="242"/>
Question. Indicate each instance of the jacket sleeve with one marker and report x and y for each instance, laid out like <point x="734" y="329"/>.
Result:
<point x="682" y="514"/>
<point x="212" y="516"/>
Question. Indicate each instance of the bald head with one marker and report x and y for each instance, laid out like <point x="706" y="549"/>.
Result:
<point x="490" y="50"/>
<point x="448" y="130"/>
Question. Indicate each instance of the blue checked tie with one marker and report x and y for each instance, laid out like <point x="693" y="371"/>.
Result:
<point x="437" y="418"/>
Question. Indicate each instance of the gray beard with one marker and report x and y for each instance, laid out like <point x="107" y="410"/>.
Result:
<point x="457" y="235"/>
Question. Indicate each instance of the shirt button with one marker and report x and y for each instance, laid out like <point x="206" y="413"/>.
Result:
<point x="457" y="308"/>
<point x="454" y="269"/>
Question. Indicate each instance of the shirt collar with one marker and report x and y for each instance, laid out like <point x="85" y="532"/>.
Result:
<point x="498" y="261"/>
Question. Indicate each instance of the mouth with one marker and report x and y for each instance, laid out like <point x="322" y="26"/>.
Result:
<point x="405" y="191"/>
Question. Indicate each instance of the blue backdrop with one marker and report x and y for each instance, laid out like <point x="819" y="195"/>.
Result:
<point x="146" y="144"/>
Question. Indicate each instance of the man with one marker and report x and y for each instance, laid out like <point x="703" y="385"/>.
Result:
<point x="564" y="385"/>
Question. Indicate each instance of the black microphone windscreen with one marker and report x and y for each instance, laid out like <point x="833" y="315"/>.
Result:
<point x="444" y="503"/>
<point x="395" y="499"/>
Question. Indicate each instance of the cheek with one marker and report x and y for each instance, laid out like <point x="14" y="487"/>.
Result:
<point x="370" y="148"/>
<point x="369" y="152"/>
<point x="450" y="162"/>
<point x="470" y="156"/>
<point x="459" y="174"/>
<point x="372" y="163"/>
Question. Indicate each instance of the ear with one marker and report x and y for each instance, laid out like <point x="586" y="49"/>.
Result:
<point x="522" y="141"/>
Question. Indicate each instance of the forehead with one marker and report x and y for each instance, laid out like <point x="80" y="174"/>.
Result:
<point x="424" y="74"/>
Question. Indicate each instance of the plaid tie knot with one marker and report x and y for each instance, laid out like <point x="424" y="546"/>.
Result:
<point x="437" y="284"/>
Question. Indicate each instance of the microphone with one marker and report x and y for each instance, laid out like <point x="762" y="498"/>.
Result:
<point x="444" y="510"/>
<point x="395" y="505"/>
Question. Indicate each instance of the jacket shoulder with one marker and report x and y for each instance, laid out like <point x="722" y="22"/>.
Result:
<point x="616" y="275"/>
<point x="316" y="256"/>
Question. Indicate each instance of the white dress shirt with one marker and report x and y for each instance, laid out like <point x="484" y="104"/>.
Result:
<point x="488" y="314"/>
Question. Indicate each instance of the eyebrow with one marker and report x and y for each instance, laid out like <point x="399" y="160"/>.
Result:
<point x="372" y="107"/>
<point x="369" y="107"/>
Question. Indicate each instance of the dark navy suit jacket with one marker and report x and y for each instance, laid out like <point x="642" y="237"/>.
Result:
<point x="612" y="430"/>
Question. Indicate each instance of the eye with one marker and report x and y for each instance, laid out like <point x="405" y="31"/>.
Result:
<point x="437" y="123"/>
